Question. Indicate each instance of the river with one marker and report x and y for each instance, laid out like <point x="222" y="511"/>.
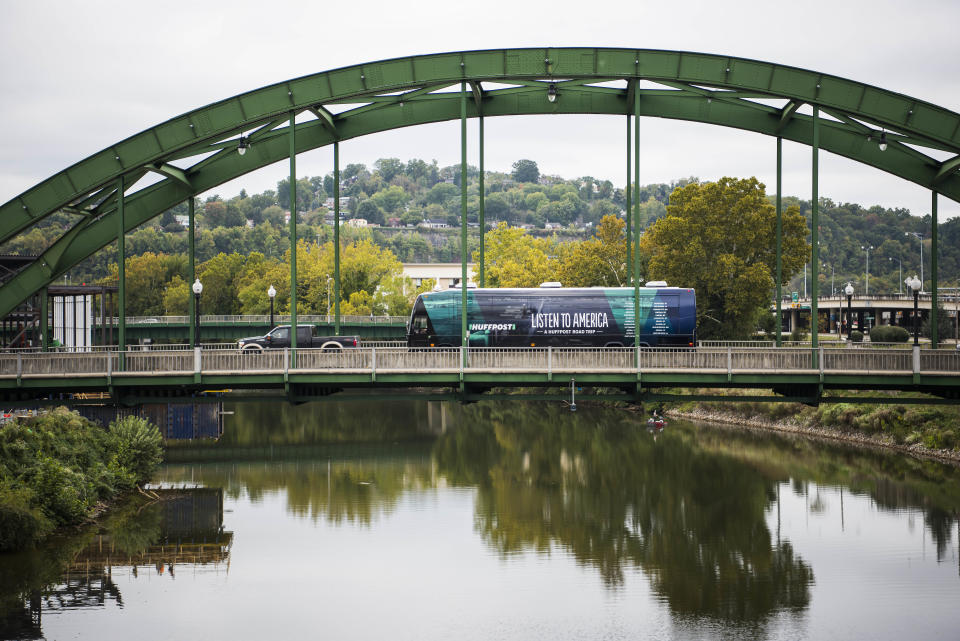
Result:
<point x="409" y="520"/>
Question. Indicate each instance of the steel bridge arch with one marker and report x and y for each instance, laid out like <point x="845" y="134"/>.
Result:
<point x="195" y="151"/>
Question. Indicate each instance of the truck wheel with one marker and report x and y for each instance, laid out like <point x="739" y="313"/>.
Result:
<point x="250" y="349"/>
<point x="331" y="346"/>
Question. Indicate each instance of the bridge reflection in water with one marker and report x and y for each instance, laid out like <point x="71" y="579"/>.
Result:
<point x="182" y="530"/>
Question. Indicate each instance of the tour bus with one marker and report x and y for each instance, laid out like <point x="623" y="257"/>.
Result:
<point x="552" y="315"/>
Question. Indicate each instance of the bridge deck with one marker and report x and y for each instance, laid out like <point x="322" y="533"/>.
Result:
<point x="186" y="372"/>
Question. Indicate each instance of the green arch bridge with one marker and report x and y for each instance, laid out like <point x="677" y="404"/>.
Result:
<point x="134" y="180"/>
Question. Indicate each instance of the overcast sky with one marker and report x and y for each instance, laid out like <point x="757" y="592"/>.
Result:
<point x="77" y="77"/>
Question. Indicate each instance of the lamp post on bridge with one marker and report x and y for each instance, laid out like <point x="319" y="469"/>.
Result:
<point x="197" y="290"/>
<point x="848" y="290"/>
<point x="271" y="293"/>
<point x="914" y="284"/>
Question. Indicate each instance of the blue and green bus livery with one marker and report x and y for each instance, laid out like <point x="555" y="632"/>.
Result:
<point x="555" y="316"/>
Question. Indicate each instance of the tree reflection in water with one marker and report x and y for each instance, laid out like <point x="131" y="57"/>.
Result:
<point x="602" y="488"/>
<point x="688" y="507"/>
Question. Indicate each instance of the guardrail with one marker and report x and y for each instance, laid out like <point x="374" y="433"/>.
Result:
<point x="545" y="360"/>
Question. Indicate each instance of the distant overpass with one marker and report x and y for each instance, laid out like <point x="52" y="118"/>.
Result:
<point x="868" y="311"/>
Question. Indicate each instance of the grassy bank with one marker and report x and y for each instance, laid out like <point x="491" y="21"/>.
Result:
<point x="59" y="470"/>
<point x="929" y="429"/>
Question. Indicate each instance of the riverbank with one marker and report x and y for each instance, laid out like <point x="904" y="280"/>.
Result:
<point x="60" y="470"/>
<point x="914" y="430"/>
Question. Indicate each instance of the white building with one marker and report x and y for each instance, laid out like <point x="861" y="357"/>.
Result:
<point x="446" y="275"/>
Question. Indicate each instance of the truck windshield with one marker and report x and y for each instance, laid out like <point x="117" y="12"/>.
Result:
<point x="419" y="322"/>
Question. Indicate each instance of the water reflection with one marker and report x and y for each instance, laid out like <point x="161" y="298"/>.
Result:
<point x="688" y="506"/>
<point x="182" y="528"/>
<point x="258" y="424"/>
<point x="616" y="498"/>
<point x="893" y="482"/>
<point x="357" y="488"/>
<point x="692" y="511"/>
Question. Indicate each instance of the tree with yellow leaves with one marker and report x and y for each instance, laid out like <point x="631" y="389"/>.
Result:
<point x="516" y="259"/>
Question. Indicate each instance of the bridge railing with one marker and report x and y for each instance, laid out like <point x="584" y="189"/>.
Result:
<point x="868" y="361"/>
<point x="936" y="360"/>
<point x="379" y="359"/>
<point x="232" y="360"/>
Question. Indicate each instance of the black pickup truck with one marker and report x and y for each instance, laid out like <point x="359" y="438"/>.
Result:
<point x="279" y="337"/>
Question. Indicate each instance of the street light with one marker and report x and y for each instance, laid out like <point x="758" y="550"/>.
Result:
<point x="915" y="286"/>
<point x="920" y="238"/>
<point x="552" y="92"/>
<point x="867" y="249"/>
<point x="848" y="290"/>
<point x="197" y="290"/>
<point x="900" y="271"/>
<point x="833" y="290"/>
<point x="271" y="293"/>
<point x="243" y="145"/>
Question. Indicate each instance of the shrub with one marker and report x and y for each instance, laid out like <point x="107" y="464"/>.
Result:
<point x="55" y="468"/>
<point x="138" y="446"/>
<point x="856" y="336"/>
<point x="889" y="334"/>
<point x="798" y="335"/>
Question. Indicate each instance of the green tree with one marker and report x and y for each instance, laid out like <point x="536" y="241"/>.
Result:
<point x="219" y="278"/>
<point x="391" y="199"/>
<point x="525" y="171"/>
<point x="388" y="168"/>
<point x="369" y="211"/>
<point x="497" y="207"/>
<point x="442" y="192"/>
<point x="304" y="194"/>
<point x="720" y="238"/>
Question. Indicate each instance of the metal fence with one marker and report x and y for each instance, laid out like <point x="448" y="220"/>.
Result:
<point x="425" y="360"/>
